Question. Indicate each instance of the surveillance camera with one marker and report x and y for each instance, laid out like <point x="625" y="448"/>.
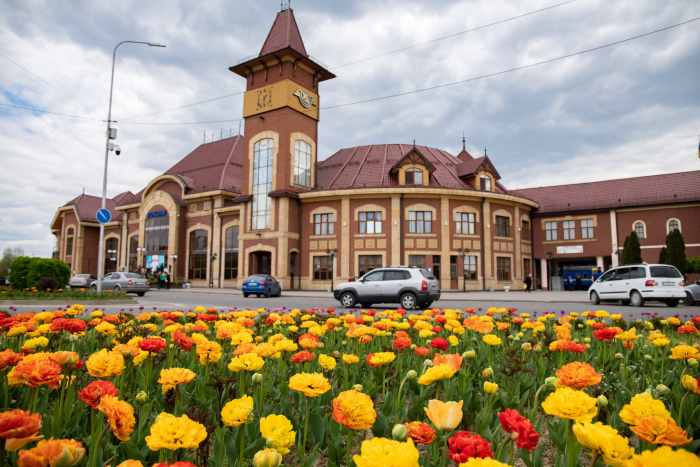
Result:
<point x="117" y="150"/>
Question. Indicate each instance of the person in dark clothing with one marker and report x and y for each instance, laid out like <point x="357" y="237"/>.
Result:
<point x="167" y="281"/>
<point x="578" y="281"/>
<point x="528" y="283"/>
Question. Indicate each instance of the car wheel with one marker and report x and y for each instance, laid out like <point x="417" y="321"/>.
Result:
<point x="595" y="299"/>
<point x="426" y="305"/>
<point x="268" y="294"/>
<point x="366" y="305"/>
<point x="117" y="288"/>
<point x="347" y="300"/>
<point x="636" y="299"/>
<point x="689" y="301"/>
<point x="140" y="294"/>
<point x="245" y="295"/>
<point x="673" y="303"/>
<point x="408" y="301"/>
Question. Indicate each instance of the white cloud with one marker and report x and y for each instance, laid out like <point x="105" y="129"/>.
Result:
<point x="627" y="110"/>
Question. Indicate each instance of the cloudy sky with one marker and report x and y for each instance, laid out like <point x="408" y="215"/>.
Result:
<point x="628" y="110"/>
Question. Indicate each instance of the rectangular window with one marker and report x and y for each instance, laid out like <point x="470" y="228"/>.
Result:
<point x="470" y="268"/>
<point x="198" y="254"/>
<point x="69" y="245"/>
<point x="416" y="260"/>
<point x="465" y="223"/>
<point x="323" y="224"/>
<point x="526" y="267"/>
<point x="586" y="228"/>
<point x="370" y="222"/>
<point x="569" y="230"/>
<point x="501" y="226"/>
<point x="503" y="269"/>
<point x="231" y="253"/>
<point x="414" y="177"/>
<point x="369" y="262"/>
<point x="551" y="230"/>
<point x="263" y="160"/>
<point x="419" y="221"/>
<point x="323" y="268"/>
<point x="526" y="230"/>
<point x="302" y="164"/>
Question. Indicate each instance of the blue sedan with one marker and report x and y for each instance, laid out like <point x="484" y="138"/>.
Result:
<point x="261" y="284"/>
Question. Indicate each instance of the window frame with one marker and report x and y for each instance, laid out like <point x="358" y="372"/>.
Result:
<point x="231" y="246"/>
<point x="134" y="253"/>
<point x="412" y="171"/>
<point x="197" y="264"/>
<point x="485" y="186"/>
<point x="587" y="228"/>
<point x="470" y="270"/>
<point x="502" y="227"/>
<point x="70" y="235"/>
<point x="111" y="266"/>
<point x="416" y="260"/>
<point x="261" y="210"/>
<point x="671" y="228"/>
<point x="550" y="228"/>
<point x="375" y="222"/>
<point x="322" y="268"/>
<point x="569" y="228"/>
<point x="525" y="230"/>
<point x="367" y="263"/>
<point x="643" y="230"/>
<point x="465" y="219"/>
<point x="324" y="221"/>
<point x="417" y="222"/>
<point x="302" y="163"/>
<point x="527" y="267"/>
<point x="502" y="268"/>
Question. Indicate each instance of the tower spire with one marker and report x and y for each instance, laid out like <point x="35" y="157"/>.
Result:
<point x="285" y="5"/>
<point x="464" y="142"/>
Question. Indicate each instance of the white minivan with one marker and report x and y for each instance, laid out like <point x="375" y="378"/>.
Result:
<point x="637" y="283"/>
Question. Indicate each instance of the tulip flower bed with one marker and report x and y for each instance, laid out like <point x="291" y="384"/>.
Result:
<point x="317" y="387"/>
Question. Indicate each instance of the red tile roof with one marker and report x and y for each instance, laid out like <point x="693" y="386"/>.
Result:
<point x="369" y="166"/>
<point x="650" y="190"/>
<point x="284" y="34"/>
<point x="87" y="207"/>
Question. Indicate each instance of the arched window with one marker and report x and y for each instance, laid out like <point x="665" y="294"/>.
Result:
<point x="302" y="163"/>
<point x="485" y="183"/>
<point x="231" y="258"/>
<point x="262" y="183"/>
<point x="198" y="254"/>
<point x="414" y="176"/>
<point x="69" y="241"/>
<point x="639" y="229"/>
<point x="672" y="225"/>
<point x="112" y="249"/>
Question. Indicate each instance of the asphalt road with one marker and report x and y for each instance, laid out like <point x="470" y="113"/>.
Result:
<point x="164" y="300"/>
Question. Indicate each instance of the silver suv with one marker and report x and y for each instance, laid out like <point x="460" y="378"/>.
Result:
<point x="409" y="286"/>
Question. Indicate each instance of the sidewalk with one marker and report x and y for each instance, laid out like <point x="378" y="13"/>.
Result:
<point x="447" y="295"/>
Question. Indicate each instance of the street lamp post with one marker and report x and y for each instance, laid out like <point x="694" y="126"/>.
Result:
<point x="331" y="256"/>
<point x="463" y="254"/>
<point x="100" y="252"/>
<point x="211" y="271"/>
<point x="140" y="252"/>
<point x="549" y="267"/>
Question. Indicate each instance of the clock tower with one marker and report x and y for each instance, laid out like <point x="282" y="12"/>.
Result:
<point x="281" y="112"/>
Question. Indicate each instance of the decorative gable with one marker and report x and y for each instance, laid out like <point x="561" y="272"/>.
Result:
<point x="413" y="169"/>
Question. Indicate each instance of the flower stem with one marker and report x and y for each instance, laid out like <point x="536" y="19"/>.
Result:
<point x="347" y="448"/>
<point x="680" y="409"/>
<point x="570" y="443"/>
<point x="594" y="459"/>
<point x="240" y="447"/>
<point x="2" y="454"/>
<point x="96" y="447"/>
<point x="306" y="430"/>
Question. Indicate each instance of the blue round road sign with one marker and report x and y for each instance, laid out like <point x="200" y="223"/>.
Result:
<point x="103" y="216"/>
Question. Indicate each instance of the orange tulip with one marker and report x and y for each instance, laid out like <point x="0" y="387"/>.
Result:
<point x="454" y="360"/>
<point x="19" y="428"/>
<point x="52" y="452"/>
<point x="577" y="375"/>
<point x="444" y="415"/>
<point x="660" y="430"/>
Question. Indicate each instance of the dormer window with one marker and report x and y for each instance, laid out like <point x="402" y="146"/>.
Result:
<point x="414" y="177"/>
<point x="485" y="183"/>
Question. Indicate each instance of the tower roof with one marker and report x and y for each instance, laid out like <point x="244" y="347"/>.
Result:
<point x="284" y="34"/>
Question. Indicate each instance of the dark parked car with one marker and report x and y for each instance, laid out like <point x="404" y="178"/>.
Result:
<point x="128" y="282"/>
<point x="261" y="284"/>
<point x="81" y="281"/>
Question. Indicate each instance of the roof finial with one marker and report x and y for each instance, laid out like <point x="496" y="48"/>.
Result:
<point x="414" y="142"/>
<point x="83" y="189"/>
<point x="284" y="5"/>
<point x="484" y="151"/>
<point x="464" y="142"/>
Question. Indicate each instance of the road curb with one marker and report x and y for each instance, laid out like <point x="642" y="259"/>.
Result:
<point x="8" y="303"/>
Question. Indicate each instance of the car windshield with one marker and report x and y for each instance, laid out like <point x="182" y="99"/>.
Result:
<point x="427" y="274"/>
<point x="256" y="277"/>
<point x="664" y="271"/>
<point x="132" y="275"/>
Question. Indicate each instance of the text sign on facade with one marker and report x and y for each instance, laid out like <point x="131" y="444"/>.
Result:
<point x="157" y="213"/>
<point x="567" y="250"/>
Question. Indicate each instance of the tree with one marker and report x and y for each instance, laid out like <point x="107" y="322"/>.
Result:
<point x="19" y="270"/>
<point x="48" y="267"/>
<point x="692" y="265"/>
<point x="632" y="250"/>
<point x="8" y="256"/>
<point x="676" y="250"/>
<point x="663" y="255"/>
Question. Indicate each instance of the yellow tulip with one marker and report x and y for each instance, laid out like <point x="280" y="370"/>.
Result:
<point x="490" y="388"/>
<point x="267" y="458"/>
<point x="444" y="415"/>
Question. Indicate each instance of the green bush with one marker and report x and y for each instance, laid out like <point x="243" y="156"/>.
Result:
<point x="692" y="265"/>
<point x="676" y="250"/>
<point x="27" y="272"/>
<point x="632" y="251"/>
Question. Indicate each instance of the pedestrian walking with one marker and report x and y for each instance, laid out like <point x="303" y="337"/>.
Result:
<point x="528" y="283"/>
<point x="167" y="281"/>
<point x="578" y="282"/>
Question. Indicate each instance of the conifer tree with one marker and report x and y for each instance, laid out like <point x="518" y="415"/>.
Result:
<point x="632" y="250"/>
<point x="663" y="255"/>
<point x="675" y="255"/>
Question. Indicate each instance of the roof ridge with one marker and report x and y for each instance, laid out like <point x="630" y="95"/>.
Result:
<point x="359" y="167"/>
<point x="223" y="172"/>
<point x="343" y="167"/>
<point x="610" y="180"/>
